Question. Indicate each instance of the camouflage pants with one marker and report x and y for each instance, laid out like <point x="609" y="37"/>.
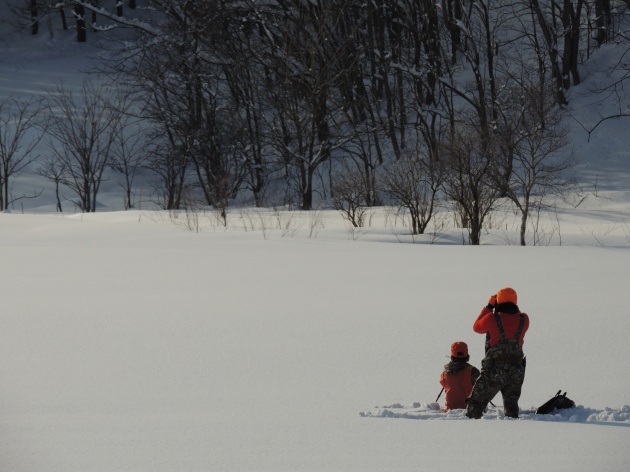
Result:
<point x="497" y="376"/>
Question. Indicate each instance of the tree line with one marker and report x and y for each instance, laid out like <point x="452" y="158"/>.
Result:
<point x="353" y="103"/>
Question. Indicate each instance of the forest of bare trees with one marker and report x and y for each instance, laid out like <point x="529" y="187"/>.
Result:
<point x="341" y="102"/>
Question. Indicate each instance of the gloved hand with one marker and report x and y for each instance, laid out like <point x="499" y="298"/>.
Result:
<point x="492" y="302"/>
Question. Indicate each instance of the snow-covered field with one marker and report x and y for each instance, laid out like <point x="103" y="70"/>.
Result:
<point x="144" y="342"/>
<point x="131" y="344"/>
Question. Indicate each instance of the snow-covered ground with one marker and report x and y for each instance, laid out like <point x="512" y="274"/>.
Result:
<point x="132" y="344"/>
<point x="145" y="342"/>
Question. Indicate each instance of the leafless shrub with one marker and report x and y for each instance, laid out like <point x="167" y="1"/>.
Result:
<point x="412" y="184"/>
<point x="316" y="222"/>
<point x="348" y="197"/>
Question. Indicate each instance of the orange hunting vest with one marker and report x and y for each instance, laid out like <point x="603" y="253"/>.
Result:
<point x="457" y="388"/>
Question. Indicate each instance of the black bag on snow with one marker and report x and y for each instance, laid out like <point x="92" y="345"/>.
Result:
<point x="558" y="402"/>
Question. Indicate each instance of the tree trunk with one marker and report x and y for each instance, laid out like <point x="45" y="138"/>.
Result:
<point x="93" y="22"/>
<point x="476" y="224"/>
<point x="553" y="53"/>
<point x="571" y="23"/>
<point x="524" y="216"/>
<point x="57" y="196"/>
<point x="602" y="20"/>
<point x="79" y="12"/>
<point x="34" y="20"/>
<point x="64" y="23"/>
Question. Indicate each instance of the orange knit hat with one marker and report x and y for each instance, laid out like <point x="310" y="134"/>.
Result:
<point x="459" y="349"/>
<point x="506" y="295"/>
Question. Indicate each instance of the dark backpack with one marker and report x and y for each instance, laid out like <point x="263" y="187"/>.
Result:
<point x="558" y="402"/>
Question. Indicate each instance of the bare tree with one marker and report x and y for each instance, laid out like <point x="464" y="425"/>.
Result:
<point x="468" y="178"/>
<point x="83" y="127"/>
<point x="19" y="137"/>
<point x="170" y="163"/>
<point x="54" y="170"/>
<point x="348" y="196"/>
<point x="29" y="13"/>
<point x="248" y="95"/>
<point x="539" y="164"/>
<point x="129" y="156"/>
<point x="248" y="129"/>
<point x="413" y="183"/>
<point x="178" y="70"/>
<point x="306" y="59"/>
<point x="561" y="25"/>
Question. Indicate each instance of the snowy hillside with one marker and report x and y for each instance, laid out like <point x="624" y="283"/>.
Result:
<point x="150" y="341"/>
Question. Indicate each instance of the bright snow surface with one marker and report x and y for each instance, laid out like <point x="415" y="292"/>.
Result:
<point x="140" y="342"/>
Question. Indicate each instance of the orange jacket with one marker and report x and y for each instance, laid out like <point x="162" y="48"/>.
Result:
<point x="486" y="323"/>
<point x="458" y="382"/>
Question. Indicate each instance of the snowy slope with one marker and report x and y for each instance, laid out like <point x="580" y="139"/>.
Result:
<point x="130" y="343"/>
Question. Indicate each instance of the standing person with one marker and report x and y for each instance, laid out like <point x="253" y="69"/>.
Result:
<point x="503" y="367"/>
<point x="458" y="377"/>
